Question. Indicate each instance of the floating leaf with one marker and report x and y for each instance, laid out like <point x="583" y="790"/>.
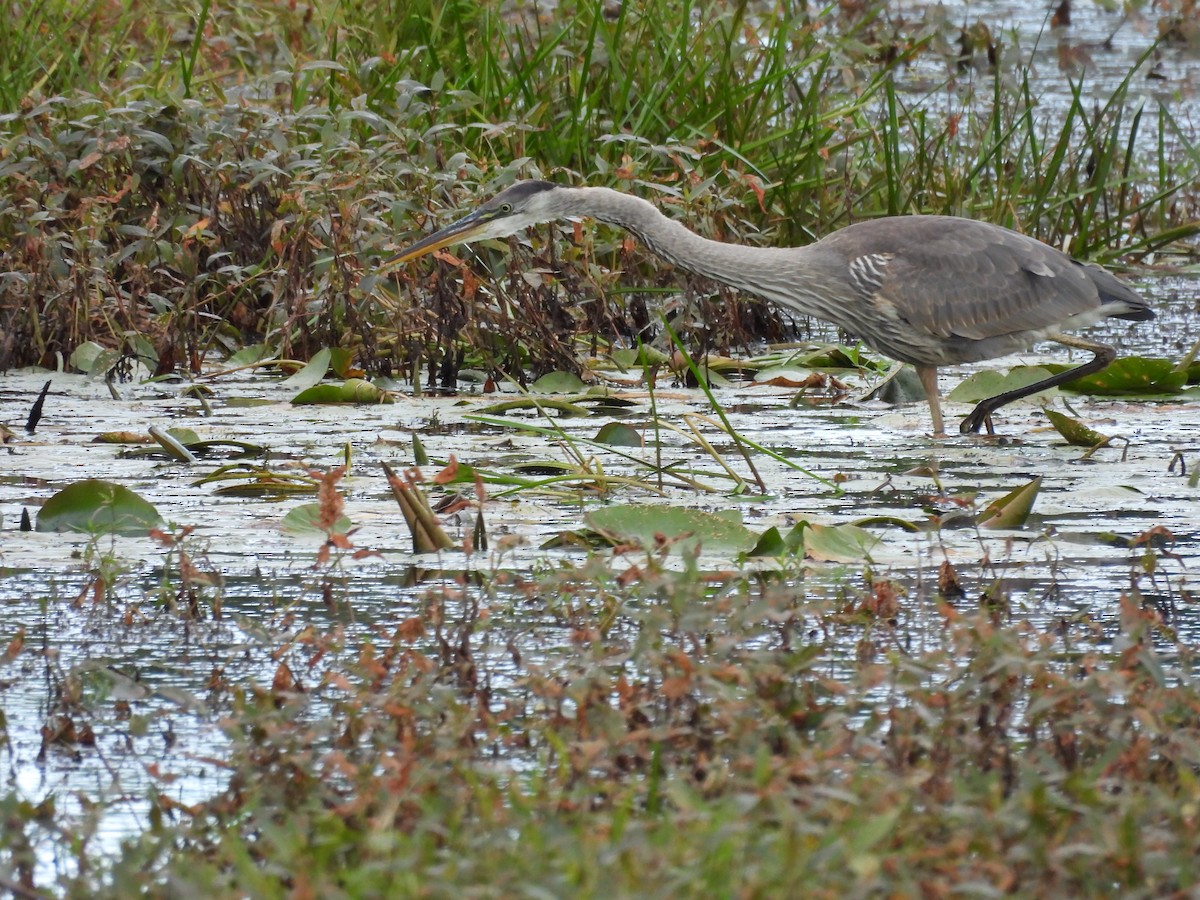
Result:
<point x="306" y="519"/>
<point x="312" y="372"/>
<point x="97" y="507"/>
<point x="652" y="525"/>
<point x="901" y="387"/>
<point x="319" y="394"/>
<point x="172" y="445"/>
<point x="248" y="356"/>
<point x="618" y="434"/>
<point x="243" y="480"/>
<point x="637" y="357"/>
<point x="84" y="357"/>
<point x="359" y="390"/>
<point x="838" y="543"/>
<point x="988" y="383"/>
<point x="352" y="390"/>
<point x="565" y="407"/>
<point x="546" y="467"/>
<point x="1075" y="432"/>
<point x="784" y="377"/>
<point x="341" y="362"/>
<point x="558" y="383"/>
<point x="1011" y="510"/>
<point x="122" y="437"/>
<point x="1136" y="375"/>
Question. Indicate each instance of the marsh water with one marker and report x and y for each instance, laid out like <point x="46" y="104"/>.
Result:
<point x="99" y="610"/>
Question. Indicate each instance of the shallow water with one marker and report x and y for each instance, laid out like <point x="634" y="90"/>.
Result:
<point x="1063" y="564"/>
<point x="1072" y="559"/>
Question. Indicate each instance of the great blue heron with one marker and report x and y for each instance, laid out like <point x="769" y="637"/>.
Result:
<point x="927" y="290"/>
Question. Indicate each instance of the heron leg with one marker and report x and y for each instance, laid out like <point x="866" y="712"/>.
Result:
<point x="983" y="412"/>
<point x="928" y="376"/>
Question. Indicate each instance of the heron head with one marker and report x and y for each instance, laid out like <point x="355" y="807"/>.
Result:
<point x="512" y="210"/>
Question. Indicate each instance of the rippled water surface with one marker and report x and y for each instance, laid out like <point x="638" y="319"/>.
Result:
<point x="1073" y="558"/>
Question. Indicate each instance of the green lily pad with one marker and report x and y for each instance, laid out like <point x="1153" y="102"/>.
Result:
<point x="84" y="357"/>
<point x="637" y="357"/>
<point x="306" y="519"/>
<point x="989" y="383"/>
<point x="248" y="356"/>
<point x="97" y="507"/>
<point x="1132" y="375"/>
<point x="618" y="434"/>
<point x="565" y="407"/>
<point x="352" y="390"/>
<point x="558" y="383"/>
<point x="652" y="525"/>
<point x="901" y="387"/>
<point x="838" y="543"/>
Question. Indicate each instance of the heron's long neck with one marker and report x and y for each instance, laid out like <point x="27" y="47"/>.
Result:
<point x="782" y="275"/>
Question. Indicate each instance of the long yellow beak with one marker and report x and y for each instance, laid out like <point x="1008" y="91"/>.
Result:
<point x="465" y="229"/>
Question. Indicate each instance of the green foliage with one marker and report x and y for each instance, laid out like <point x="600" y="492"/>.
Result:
<point x="97" y="507"/>
<point x="231" y="174"/>
<point x="695" y="736"/>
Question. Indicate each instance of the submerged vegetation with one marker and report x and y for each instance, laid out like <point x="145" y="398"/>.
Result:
<point x="662" y="700"/>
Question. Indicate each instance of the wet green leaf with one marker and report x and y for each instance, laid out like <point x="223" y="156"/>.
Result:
<point x="652" y="525"/>
<point x="248" y="356"/>
<point x="312" y="372"/>
<point x="341" y="361"/>
<point x="1011" y="510"/>
<point x="988" y="383"/>
<point x="618" y="434"/>
<point x="902" y="386"/>
<point x="565" y="407"/>
<point x="319" y="394"/>
<point x="1075" y="432"/>
<point x="306" y="519"/>
<point x="773" y="542"/>
<point x="636" y="357"/>
<point x="352" y="390"/>
<point x="84" y="357"/>
<point x="838" y="543"/>
<point x="359" y="390"/>
<point x="1132" y="375"/>
<point x="172" y="445"/>
<point x="558" y="383"/>
<point x="97" y="507"/>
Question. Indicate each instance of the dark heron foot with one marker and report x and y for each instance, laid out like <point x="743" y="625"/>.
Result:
<point x="980" y="417"/>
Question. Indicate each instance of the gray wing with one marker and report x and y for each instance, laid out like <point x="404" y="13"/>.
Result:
<point x="949" y="277"/>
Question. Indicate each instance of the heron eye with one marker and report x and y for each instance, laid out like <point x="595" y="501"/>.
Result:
<point x="506" y="207"/>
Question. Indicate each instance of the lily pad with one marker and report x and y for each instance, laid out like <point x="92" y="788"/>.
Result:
<point x="838" y="543"/>
<point x="636" y="357"/>
<point x="652" y="525"/>
<point x="618" y="434"/>
<point x="352" y="390"/>
<point x="1132" y="376"/>
<point x="97" y="507"/>
<point x="248" y="356"/>
<point x="989" y="383"/>
<point x="565" y="407"/>
<point x="558" y="383"/>
<point x="306" y="519"/>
